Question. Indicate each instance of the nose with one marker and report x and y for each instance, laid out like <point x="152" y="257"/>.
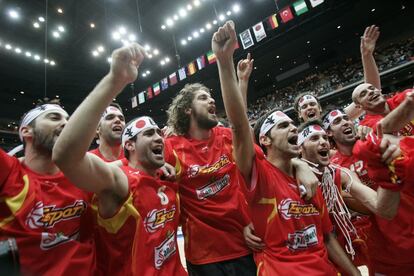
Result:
<point x="293" y="128"/>
<point x="211" y="101"/>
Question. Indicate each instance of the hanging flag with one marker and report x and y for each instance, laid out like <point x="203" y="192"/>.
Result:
<point x="164" y="83"/>
<point x="300" y="7"/>
<point x="201" y="62"/>
<point x="246" y="39"/>
<point x="173" y="78"/>
<point x="149" y="93"/>
<point x="191" y="69"/>
<point x="134" y="102"/>
<point x="259" y="31"/>
<point x="211" y="57"/>
<point x="315" y="3"/>
<point x="156" y="88"/>
<point x="141" y="97"/>
<point x="181" y="73"/>
<point x="271" y="22"/>
<point x="286" y="14"/>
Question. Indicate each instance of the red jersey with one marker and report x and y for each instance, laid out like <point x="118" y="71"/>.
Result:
<point x="140" y="239"/>
<point x="98" y="153"/>
<point x="371" y="120"/>
<point x="291" y="228"/>
<point x="390" y="242"/>
<point x="50" y="219"/>
<point x="213" y="208"/>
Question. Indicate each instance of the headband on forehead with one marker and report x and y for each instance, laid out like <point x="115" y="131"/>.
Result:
<point x="331" y="117"/>
<point x="108" y="110"/>
<point x="36" y="112"/>
<point x="272" y="120"/>
<point x="308" y="132"/>
<point x="136" y="126"/>
<point x="307" y="99"/>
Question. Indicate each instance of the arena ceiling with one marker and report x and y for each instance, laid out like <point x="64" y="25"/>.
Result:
<point x="77" y="37"/>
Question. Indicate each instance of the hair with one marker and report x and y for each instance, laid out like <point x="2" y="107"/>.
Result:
<point x="259" y="124"/>
<point x="178" y="119"/>
<point x="39" y="102"/>
<point x="325" y="114"/>
<point x="126" y="152"/>
<point x="296" y="103"/>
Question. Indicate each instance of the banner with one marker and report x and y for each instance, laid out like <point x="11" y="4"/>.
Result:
<point x="201" y="62"/>
<point x="191" y="69"/>
<point x="149" y="93"/>
<point x="259" y="32"/>
<point x="315" y="3"/>
<point x="271" y="22"/>
<point x="141" y="97"/>
<point x="164" y="83"/>
<point x="246" y="39"/>
<point x="211" y="57"/>
<point x="300" y="7"/>
<point x="181" y="73"/>
<point x="134" y="102"/>
<point x="173" y="78"/>
<point x="156" y="89"/>
<point x="286" y="15"/>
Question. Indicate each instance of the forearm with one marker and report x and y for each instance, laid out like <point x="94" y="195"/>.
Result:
<point x="338" y="256"/>
<point x="397" y="118"/>
<point x="243" y="87"/>
<point x="353" y="111"/>
<point x="371" y="73"/>
<point x="80" y="130"/>
<point x="387" y="203"/>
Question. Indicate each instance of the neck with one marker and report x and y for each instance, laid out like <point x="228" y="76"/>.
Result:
<point x="345" y="149"/>
<point x="198" y="133"/>
<point x="134" y="163"/>
<point x="110" y="152"/>
<point x="382" y="110"/>
<point x="283" y="163"/>
<point x="39" y="162"/>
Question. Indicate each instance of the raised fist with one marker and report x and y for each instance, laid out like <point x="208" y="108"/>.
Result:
<point x="125" y="63"/>
<point x="224" y="41"/>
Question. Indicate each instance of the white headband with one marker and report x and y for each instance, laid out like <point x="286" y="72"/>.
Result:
<point x="136" y="126"/>
<point x="307" y="99"/>
<point x="331" y="117"/>
<point x="308" y="132"/>
<point x="108" y="110"/>
<point x="36" y="112"/>
<point x="272" y="120"/>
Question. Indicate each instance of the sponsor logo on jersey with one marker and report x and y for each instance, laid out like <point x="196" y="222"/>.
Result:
<point x="213" y="187"/>
<point x="294" y="209"/>
<point x="158" y="219"/>
<point x="195" y="170"/>
<point x="303" y="239"/>
<point x="165" y="250"/>
<point x="48" y="216"/>
<point x="50" y="240"/>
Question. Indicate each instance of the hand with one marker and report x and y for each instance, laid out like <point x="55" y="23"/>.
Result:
<point x="363" y="131"/>
<point x="168" y="172"/>
<point x="244" y="68"/>
<point x="252" y="241"/>
<point x="369" y="39"/>
<point x="125" y="63"/>
<point x="307" y="181"/>
<point x="224" y="41"/>
<point x="389" y="147"/>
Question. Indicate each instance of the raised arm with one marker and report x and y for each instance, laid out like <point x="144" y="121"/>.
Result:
<point x="223" y="44"/>
<point x="70" y="151"/>
<point x="244" y="70"/>
<point x="382" y="202"/>
<point x="367" y="47"/>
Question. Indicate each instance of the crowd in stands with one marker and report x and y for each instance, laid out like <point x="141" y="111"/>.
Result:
<point x="331" y="79"/>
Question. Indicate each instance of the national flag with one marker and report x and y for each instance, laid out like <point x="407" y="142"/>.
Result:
<point x="181" y="73"/>
<point x="271" y="22"/>
<point x="156" y="88"/>
<point x="164" y="83"/>
<point x="134" y="102"/>
<point x="211" y="57"/>
<point x="300" y="7"/>
<point x="315" y="3"/>
<point x="150" y="94"/>
<point x="259" y="31"/>
<point x="246" y="39"/>
<point x="141" y="97"/>
<point x="191" y="69"/>
<point x="286" y="14"/>
<point x="201" y="62"/>
<point x="173" y="78"/>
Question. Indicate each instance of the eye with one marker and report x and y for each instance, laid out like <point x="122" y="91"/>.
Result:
<point x="337" y="121"/>
<point x="362" y="94"/>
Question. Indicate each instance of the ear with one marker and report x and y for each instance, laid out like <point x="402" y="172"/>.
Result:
<point x="188" y="111"/>
<point x="130" y="145"/>
<point x="27" y="132"/>
<point x="265" y="141"/>
<point x="329" y="133"/>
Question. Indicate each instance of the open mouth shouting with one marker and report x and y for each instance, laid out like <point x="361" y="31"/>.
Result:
<point x="158" y="151"/>
<point x="117" y="128"/>
<point x="311" y="114"/>
<point x="212" y="110"/>
<point x="293" y="140"/>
